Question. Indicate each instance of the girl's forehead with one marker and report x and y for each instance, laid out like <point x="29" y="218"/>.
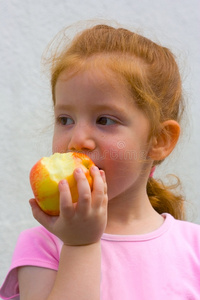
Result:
<point x="93" y="88"/>
<point x="105" y="71"/>
<point x="102" y="79"/>
<point x="89" y="83"/>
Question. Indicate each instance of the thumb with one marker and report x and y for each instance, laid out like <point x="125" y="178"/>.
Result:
<point x="39" y="215"/>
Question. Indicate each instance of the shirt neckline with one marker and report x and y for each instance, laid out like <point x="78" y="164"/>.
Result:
<point x="169" y="220"/>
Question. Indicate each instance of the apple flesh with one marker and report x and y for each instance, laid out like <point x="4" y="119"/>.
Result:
<point x="47" y="173"/>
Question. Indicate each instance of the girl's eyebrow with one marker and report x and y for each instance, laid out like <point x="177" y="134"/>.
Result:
<point x="111" y="108"/>
<point x="93" y="108"/>
<point x="63" y="107"/>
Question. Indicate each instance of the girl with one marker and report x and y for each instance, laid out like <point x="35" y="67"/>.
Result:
<point x="117" y="98"/>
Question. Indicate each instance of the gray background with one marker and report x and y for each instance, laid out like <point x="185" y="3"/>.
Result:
<point x="26" y="118"/>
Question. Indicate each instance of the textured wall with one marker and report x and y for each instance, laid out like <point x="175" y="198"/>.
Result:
<point x="25" y="104"/>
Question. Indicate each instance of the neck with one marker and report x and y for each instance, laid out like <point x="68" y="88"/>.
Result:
<point x="132" y="215"/>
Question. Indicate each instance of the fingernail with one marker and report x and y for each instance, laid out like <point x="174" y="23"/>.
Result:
<point x="79" y="170"/>
<point x="63" y="182"/>
<point x="94" y="168"/>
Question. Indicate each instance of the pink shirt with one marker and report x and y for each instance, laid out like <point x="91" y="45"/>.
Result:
<point x="164" y="264"/>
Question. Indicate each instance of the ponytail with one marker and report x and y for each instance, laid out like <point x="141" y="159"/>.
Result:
<point x="165" y="201"/>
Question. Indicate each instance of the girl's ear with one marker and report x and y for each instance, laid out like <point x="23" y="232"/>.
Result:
<point x="165" y="141"/>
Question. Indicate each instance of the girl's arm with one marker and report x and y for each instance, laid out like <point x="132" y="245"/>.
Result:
<point x="80" y="227"/>
<point x="78" y="276"/>
<point x="35" y="283"/>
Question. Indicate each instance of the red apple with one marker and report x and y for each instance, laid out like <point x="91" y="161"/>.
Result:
<point x="48" y="171"/>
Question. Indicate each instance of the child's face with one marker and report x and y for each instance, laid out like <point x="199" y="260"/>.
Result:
<point x="93" y="117"/>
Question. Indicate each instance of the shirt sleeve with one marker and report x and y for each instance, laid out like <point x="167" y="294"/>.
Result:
<point x="35" y="247"/>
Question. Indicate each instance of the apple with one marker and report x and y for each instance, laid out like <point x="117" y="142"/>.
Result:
<point x="48" y="171"/>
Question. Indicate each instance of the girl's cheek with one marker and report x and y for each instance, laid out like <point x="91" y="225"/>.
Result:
<point x="57" y="146"/>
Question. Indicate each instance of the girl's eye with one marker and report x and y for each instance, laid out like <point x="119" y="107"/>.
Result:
<point x="106" y="121"/>
<point x="65" y="120"/>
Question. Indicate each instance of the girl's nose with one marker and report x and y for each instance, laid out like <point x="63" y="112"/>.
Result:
<point x="82" y="139"/>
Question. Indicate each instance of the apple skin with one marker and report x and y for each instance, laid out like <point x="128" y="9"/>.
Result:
<point x="46" y="174"/>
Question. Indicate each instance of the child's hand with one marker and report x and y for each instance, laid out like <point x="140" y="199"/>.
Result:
<point x="83" y="222"/>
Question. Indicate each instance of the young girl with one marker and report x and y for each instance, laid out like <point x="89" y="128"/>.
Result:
<point x="117" y="97"/>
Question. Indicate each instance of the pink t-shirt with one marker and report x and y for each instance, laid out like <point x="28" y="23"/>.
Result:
<point x="163" y="264"/>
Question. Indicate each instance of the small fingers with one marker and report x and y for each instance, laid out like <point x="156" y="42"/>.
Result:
<point x="99" y="187"/>
<point x="105" y="199"/>
<point x="104" y="180"/>
<point x="66" y="205"/>
<point x="84" y="191"/>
